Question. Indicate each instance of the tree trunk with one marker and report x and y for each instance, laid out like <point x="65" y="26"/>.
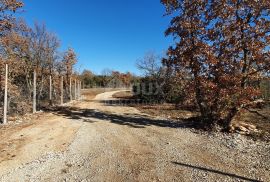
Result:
<point x="206" y="114"/>
<point x="228" y="120"/>
<point x="70" y="89"/>
<point x="40" y="91"/>
<point x="29" y="88"/>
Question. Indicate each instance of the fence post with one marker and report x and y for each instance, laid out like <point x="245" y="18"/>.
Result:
<point x="79" y="90"/>
<point x="5" y="96"/>
<point x="70" y="89"/>
<point x="35" y="92"/>
<point x="62" y="90"/>
<point x="75" y="90"/>
<point x="50" y="90"/>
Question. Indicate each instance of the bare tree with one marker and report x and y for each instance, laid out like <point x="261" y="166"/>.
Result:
<point x="150" y="65"/>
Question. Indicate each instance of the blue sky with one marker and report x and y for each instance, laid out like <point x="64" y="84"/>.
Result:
<point x="104" y="33"/>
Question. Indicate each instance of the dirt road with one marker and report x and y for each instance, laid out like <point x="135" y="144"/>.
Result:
<point x="95" y="141"/>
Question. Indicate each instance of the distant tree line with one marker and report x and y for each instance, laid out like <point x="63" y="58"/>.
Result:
<point x="108" y="79"/>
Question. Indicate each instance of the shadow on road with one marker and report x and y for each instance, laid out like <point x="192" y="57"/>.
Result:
<point x="131" y="120"/>
<point x="216" y="172"/>
<point x="137" y="121"/>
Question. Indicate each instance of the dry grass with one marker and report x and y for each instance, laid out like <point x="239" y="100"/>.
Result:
<point x="163" y="110"/>
<point x="259" y="116"/>
<point x="167" y="111"/>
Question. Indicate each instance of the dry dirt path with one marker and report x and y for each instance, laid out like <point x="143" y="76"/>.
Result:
<point x="95" y="141"/>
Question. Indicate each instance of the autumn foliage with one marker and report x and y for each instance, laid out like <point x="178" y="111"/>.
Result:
<point x="107" y="79"/>
<point x="7" y="7"/>
<point x="223" y="47"/>
<point x="27" y="49"/>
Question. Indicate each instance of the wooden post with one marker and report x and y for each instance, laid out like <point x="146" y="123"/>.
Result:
<point x="62" y="90"/>
<point x="70" y="89"/>
<point x="75" y="90"/>
<point x="79" y="90"/>
<point x="5" y="96"/>
<point x="50" y="90"/>
<point x="35" y="92"/>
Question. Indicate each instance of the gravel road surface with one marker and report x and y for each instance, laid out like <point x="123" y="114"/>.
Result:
<point x="93" y="141"/>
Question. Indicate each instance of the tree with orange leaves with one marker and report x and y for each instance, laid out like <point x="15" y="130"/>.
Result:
<point x="224" y="47"/>
<point x="7" y="7"/>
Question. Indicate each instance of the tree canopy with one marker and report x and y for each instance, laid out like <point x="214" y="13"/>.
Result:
<point x="224" y="47"/>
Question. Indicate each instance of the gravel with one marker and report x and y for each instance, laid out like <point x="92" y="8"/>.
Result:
<point x="107" y="150"/>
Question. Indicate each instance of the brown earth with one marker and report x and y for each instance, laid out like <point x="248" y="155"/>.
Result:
<point x="101" y="139"/>
<point x="258" y="116"/>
